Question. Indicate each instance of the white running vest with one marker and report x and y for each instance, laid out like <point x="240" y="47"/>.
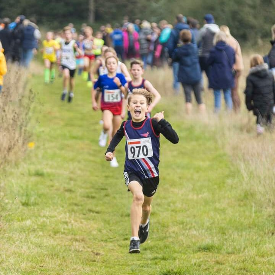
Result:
<point x="68" y="55"/>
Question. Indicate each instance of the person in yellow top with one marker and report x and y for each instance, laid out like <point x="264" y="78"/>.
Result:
<point x="98" y="42"/>
<point x="3" y="66"/>
<point x="50" y="46"/>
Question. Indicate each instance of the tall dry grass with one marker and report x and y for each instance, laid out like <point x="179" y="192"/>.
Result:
<point x="15" y="104"/>
<point x="253" y="155"/>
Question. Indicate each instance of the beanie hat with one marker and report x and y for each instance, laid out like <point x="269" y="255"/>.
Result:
<point x="209" y="18"/>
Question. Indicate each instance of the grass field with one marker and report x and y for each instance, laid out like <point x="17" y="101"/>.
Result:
<point x="65" y="211"/>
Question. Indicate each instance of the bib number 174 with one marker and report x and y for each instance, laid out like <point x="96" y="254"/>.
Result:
<point x="140" y="148"/>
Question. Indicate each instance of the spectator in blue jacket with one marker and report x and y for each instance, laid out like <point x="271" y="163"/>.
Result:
<point x="172" y="44"/>
<point x="31" y="34"/>
<point x="221" y="60"/>
<point x="117" y="38"/>
<point x="163" y="40"/>
<point x="189" y="70"/>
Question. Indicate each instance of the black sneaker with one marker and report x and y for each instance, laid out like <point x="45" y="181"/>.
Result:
<point x="143" y="232"/>
<point x="134" y="246"/>
<point x="63" y="96"/>
<point x="70" y="98"/>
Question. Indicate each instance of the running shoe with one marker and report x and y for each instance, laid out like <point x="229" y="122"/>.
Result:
<point x="103" y="139"/>
<point x="63" y="96"/>
<point x="71" y="96"/>
<point x="134" y="246"/>
<point x="114" y="163"/>
<point x="143" y="232"/>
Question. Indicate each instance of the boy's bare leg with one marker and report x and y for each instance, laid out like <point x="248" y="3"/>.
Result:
<point x="136" y="208"/>
<point x="146" y="209"/>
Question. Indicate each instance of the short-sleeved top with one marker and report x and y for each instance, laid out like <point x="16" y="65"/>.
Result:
<point x="111" y="94"/>
<point x="142" y="149"/>
<point x="49" y="50"/>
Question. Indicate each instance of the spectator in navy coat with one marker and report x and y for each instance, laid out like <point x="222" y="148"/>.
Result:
<point x="221" y="77"/>
<point x="172" y="45"/>
<point x="31" y="34"/>
<point x="189" y="70"/>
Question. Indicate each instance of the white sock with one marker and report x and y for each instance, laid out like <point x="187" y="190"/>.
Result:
<point x="134" y="238"/>
<point x="143" y="225"/>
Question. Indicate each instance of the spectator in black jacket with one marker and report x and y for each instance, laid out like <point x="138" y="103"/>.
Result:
<point x="260" y="92"/>
<point x="5" y="38"/>
<point x="17" y="36"/>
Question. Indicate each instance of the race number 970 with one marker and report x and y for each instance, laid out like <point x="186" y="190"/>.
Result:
<point x="138" y="150"/>
<point x="141" y="148"/>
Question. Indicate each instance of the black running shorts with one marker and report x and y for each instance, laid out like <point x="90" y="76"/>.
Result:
<point x="72" y="72"/>
<point x="149" y="186"/>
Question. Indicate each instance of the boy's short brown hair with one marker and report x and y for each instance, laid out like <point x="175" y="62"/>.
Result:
<point x="185" y="36"/>
<point x="136" y="62"/>
<point x="67" y="28"/>
<point x="144" y="92"/>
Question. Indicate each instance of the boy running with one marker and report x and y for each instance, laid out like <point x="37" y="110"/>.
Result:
<point x="142" y="159"/>
<point x="138" y="82"/>
<point x="68" y="63"/>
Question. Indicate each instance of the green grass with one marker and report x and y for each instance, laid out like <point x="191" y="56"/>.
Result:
<point x="65" y="211"/>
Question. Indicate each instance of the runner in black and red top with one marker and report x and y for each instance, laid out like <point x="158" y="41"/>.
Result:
<point x="141" y="171"/>
<point x="138" y="82"/>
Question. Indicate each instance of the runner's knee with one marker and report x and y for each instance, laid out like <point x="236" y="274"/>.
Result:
<point x="146" y="207"/>
<point x="138" y="198"/>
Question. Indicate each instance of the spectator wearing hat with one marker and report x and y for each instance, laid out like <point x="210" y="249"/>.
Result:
<point x="205" y="39"/>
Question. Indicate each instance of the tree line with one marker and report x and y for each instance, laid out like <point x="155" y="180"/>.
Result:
<point x="248" y="20"/>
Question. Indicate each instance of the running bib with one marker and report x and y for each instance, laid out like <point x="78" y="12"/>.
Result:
<point x="112" y="96"/>
<point x="66" y="56"/>
<point x="49" y="50"/>
<point x="139" y="148"/>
